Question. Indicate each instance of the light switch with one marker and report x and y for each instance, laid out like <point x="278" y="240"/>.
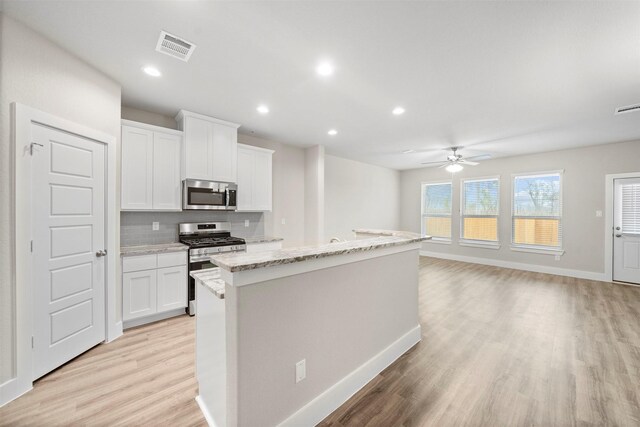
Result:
<point x="246" y="222"/>
<point x="598" y="214"/>
<point x="301" y="370"/>
<point x="283" y="221"/>
<point x="155" y="226"/>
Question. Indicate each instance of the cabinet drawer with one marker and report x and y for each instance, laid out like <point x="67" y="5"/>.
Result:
<point x="139" y="262"/>
<point x="171" y="259"/>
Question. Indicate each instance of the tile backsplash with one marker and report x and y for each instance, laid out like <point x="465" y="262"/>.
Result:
<point x="136" y="227"/>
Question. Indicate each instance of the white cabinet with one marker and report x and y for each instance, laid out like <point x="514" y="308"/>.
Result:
<point x="152" y="286"/>
<point x="150" y="167"/>
<point x="254" y="178"/>
<point x="210" y="147"/>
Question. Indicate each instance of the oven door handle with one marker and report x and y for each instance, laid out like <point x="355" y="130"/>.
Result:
<point x="199" y="258"/>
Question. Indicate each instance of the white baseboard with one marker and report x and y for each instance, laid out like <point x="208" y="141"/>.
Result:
<point x="153" y="318"/>
<point x="116" y="333"/>
<point x="580" y="274"/>
<point x="10" y="390"/>
<point x="331" y="399"/>
<point x="205" y="412"/>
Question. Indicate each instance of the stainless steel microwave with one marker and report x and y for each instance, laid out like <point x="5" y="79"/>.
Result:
<point x="197" y="195"/>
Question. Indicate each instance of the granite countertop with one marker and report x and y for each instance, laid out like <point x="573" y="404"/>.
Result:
<point x="262" y="239"/>
<point x="210" y="279"/>
<point x="375" y="232"/>
<point x="242" y="261"/>
<point x="152" y="249"/>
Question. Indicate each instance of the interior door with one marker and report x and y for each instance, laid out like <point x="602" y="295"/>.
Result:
<point x="68" y="229"/>
<point x="626" y="240"/>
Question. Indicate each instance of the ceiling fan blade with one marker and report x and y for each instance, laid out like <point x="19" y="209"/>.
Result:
<point x="480" y="157"/>
<point x="445" y="165"/>
<point x="467" y="162"/>
<point x="434" y="163"/>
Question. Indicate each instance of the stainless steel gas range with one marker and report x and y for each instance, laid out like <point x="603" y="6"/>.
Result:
<point x="205" y="239"/>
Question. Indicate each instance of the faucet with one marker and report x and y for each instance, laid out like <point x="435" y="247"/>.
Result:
<point x="335" y="240"/>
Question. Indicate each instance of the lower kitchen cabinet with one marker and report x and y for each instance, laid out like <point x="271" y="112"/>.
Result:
<point x="153" y="286"/>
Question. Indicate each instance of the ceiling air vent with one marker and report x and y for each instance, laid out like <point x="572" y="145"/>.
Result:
<point x="175" y="46"/>
<point x="628" y="109"/>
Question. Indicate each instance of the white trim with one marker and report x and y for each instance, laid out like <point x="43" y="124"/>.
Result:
<point x="205" y="411"/>
<point x="23" y="117"/>
<point x="486" y="244"/>
<point x="11" y="390"/>
<point x="184" y="113"/>
<point x="537" y="250"/>
<point x="154" y="318"/>
<point x="254" y="148"/>
<point x="115" y="332"/>
<point x="439" y="241"/>
<point x="331" y="399"/>
<point x="608" y="219"/>
<point x="580" y="274"/>
<point x="152" y="128"/>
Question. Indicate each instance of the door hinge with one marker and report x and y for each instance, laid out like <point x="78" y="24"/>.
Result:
<point x="31" y="147"/>
<point x="31" y="246"/>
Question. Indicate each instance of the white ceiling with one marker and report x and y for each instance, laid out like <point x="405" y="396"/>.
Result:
<point x="504" y="78"/>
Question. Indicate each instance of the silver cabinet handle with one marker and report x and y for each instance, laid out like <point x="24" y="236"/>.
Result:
<point x="101" y="253"/>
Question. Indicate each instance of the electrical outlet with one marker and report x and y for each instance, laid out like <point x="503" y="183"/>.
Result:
<point x="301" y="370"/>
<point x="598" y="214"/>
<point x="246" y="222"/>
<point x="155" y="226"/>
<point x="283" y="221"/>
<point x="557" y="257"/>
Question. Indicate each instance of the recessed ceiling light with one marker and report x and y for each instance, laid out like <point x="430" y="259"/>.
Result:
<point x="262" y="109"/>
<point x="332" y="132"/>
<point x="408" y="151"/>
<point x="397" y="111"/>
<point x="325" y="69"/>
<point x="454" y="167"/>
<point x="152" y="71"/>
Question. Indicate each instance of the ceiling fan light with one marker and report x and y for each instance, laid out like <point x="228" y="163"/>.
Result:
<point x="454" y="167"/>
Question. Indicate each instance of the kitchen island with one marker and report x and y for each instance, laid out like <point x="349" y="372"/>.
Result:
<point x="285" y="337"/>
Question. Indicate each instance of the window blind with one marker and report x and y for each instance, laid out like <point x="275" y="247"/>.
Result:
<point x="631" y="208"/>
<point x="480" y="209"/>
<point x="537" y="211"/>
<point x="436" y="210"/>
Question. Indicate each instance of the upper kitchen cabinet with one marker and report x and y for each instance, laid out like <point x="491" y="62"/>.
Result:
<point x="150" y="167"/>
<point x="210" y="147"/>
<point x="254" y="178"/>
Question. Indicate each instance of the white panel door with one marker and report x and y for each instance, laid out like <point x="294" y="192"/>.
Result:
<point x="198" y="148"/>
<point x="68" y="226"/>
<point x="245" y="179"/>
<point x="626" y="240"/>
<point x="166" y="171"/>
<point x="172" y="288"/>
<point x="139" y="293"/>
<point x="262" y="181"/>
<point x="137" y="168"/>
<point x="225" y="152"/>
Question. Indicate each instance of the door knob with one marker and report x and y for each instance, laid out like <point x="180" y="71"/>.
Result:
<point x="101" y="253"/>
<point x="618" y="235"/>
<point x="617" y="228"/>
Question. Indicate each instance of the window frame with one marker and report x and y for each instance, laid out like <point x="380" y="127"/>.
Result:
<point x="434" y="239"/>
<point x="492" y="244"/>
<point x="539" y="249"/>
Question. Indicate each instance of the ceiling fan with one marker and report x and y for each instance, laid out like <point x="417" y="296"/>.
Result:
<point x="455" y="161"/>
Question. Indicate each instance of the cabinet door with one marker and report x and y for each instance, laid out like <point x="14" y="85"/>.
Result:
<point x="166" y="171"/>
<point x="225" y="152"/>
<point x="138" y="294"/>
<point x="197" y="148"/>
<point x="137" y="168"/>
<point x="245" y="179"/>
<point x="261" y="194"/>
<point x="172" y="288"/>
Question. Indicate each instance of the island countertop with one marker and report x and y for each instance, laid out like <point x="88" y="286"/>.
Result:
<point x="210" y="279"/>
<point x="234" y="262"/>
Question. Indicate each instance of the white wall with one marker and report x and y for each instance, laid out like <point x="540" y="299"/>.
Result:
<point x="288" y="190"/>
<point x="39" y="74"/>
<point x="359" y="195"/>
<point x="148" y="117"/>
<point x="583" y="194"/>
<point x="314" y="194"/>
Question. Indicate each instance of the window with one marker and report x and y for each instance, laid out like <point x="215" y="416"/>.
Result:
<point x="480" y="207"/>
<point x="436" y="210"/>
<point x="537" y="211"/>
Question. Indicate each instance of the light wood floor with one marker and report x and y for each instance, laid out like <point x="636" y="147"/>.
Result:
<point x="499" y="347"/>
